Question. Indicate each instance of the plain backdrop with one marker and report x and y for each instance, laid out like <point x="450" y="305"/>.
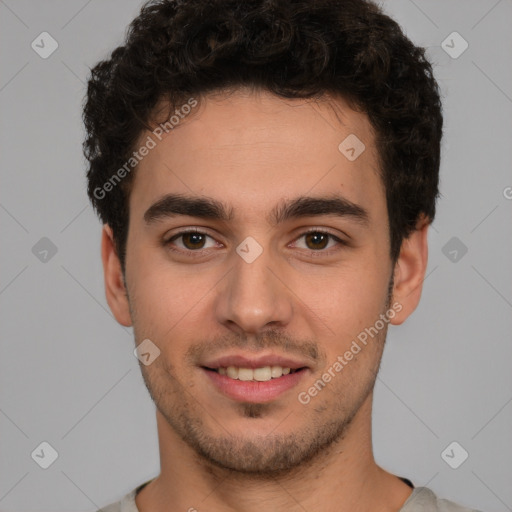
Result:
<point x="68" y="376"/>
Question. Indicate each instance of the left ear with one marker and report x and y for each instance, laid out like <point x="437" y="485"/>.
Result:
<point x="409" y="272"/>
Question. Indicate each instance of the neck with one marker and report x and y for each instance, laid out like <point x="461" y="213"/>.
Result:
<point x="343" y="478"/>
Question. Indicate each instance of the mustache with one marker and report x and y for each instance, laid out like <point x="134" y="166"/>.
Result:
<point x="269" y="339"/>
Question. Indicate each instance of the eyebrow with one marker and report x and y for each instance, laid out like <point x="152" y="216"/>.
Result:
<point x="172" y="205"/>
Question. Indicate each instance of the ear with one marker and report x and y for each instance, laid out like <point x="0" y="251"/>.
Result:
<point x="115" y="290"/>
<point x="409" y="272"/>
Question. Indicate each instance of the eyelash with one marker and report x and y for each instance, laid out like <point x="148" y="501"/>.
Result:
<point x="198" y="253"/>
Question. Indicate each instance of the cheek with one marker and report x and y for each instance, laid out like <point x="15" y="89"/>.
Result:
<point x="169" y="301"/>
<point x="163" y="301"/>
<point x="348" y="298"/>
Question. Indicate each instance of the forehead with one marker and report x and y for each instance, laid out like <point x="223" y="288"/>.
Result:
<point x="252" y="148"/>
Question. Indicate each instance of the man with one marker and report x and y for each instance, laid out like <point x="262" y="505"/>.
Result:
<point x="266" y="172"/>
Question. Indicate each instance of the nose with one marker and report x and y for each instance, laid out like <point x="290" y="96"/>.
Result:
<point x="254" y="297"/>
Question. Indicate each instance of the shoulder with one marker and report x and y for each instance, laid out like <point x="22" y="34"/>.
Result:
<point x="127" y="504"/>
<point x="113" y="507"/>
<point x="423" y="499"/>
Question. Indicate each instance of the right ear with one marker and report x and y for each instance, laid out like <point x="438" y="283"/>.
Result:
<point x="115" y="290"/>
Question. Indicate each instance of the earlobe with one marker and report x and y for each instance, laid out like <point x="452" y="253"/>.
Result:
<point x="115" y="290"/>
<point x="409" y="272"/>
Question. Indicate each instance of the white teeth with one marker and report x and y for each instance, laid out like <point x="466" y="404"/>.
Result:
<point x="262" y="374"/>
<point x="245" y="374"/>
<point x="232" y="372"/>
<point x="276" y="371"/>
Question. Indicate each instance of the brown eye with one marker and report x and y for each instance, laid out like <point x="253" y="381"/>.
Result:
<point x="193" y="240"/>
<point x="317" y="240"/>
<point x="189" y="241"/>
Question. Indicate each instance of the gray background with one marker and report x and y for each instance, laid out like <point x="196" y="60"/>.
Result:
<point x="68" y="375"/>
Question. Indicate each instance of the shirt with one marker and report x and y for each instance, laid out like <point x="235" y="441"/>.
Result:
<point x="422" y="499"/>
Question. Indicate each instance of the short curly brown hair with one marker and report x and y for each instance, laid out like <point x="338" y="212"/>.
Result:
<point x="177" y="49"/>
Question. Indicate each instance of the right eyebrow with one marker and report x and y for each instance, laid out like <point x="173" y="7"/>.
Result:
<point x="176" y="204"/>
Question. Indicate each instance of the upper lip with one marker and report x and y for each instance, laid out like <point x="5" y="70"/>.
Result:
<point x="254" y="361"/>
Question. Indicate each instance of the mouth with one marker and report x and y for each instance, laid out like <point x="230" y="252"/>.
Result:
<point x="254" y="385"/>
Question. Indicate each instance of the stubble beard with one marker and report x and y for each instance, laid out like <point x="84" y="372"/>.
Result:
<point x="267" y="457"/>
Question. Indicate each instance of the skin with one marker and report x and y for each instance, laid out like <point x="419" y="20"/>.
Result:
<point x="251" y="150"/>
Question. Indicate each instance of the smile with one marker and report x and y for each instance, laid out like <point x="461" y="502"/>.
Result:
<point x="256" y="385"/>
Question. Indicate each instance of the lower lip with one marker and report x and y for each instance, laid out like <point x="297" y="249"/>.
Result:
<point x="254" y="391"/>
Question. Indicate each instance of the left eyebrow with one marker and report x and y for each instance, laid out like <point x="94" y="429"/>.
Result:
<point x="306" y="206"/>
<point x="172" y="205"/>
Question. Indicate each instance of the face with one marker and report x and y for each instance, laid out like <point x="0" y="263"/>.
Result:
<point x="258" y="298"/>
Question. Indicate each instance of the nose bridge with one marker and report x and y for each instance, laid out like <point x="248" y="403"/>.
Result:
<point x="252" y="297"/>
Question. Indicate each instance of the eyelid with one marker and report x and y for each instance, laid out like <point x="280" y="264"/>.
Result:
<point x="315" y="229"/>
